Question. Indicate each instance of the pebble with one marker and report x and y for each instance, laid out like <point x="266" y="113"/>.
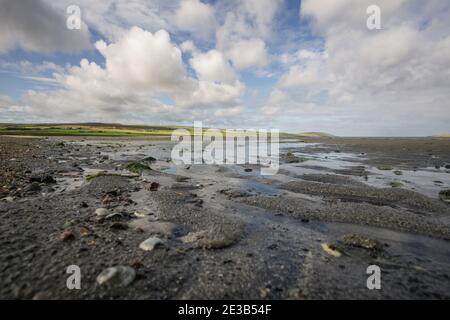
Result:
<point x="150" y="244"/>
<point x="43" y="179"/>
<point x="331" y="250"/>
<point x="142" y="214"/>
<point x="154" y="186"/>
<point x="9" y="199"/>
<point x="42" y="295"/>
<point x="67" y="236"/>
<point x="119" y="226"/>
<point x="101" y="212"/>
<point x="114" y="216"/>
<point x="119" y="276"/>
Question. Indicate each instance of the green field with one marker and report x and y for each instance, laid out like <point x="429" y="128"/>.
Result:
<point x="85" y="130"/>
<point x="97" y="130"/>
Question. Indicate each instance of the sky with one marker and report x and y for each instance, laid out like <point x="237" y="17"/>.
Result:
<point x="297" y="66"/>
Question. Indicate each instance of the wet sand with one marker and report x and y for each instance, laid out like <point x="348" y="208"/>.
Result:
<point x="226" y="231"/>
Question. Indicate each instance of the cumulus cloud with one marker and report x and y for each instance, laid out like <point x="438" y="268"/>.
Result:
<point x="113" y="18"/>
<point x="141" y="61"/>
<point x="213" y="66"/>
<point x="196" y="17"/>
<point x="139" y="69"/>
<point x="248" y="53"/>
<point x="5" y="101"/>
<point x="398" y="75"/>
<point x="276" y="102"/>
<point x="33" y="25"/>
<point x="244" y="30"/>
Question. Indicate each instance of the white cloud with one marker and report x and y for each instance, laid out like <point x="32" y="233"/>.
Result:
<point x="298" y="76"/>
<point x="5" y="101"/>
<point x="113" y="18"/>
<point x="26" y="67"/>
<point x="33" y="25"/>
<point x="244" y="30"/>
<point x="248" y="53"/>
<point x="139" y="68"/>
<point x="398" y="75"/>
<point x="227" y="113"/>
<point x="213" y="66"/>
<point x="195" y="17"/>
<point x="277" y="100"/>
<point x="141" y="61"/>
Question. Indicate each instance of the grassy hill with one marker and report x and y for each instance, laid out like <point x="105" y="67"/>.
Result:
<point x="316" y="135"/>
<point x="97" y="129"/>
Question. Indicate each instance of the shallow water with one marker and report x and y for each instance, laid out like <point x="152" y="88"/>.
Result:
<point x="427" y="181"/>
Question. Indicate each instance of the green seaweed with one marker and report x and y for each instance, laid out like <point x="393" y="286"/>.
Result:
<point x="137" y="167"/>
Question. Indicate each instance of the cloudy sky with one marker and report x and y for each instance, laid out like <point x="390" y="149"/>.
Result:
<point x="310" y="65"/>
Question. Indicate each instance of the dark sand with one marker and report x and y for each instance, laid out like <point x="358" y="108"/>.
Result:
<point x="228" y="234"/>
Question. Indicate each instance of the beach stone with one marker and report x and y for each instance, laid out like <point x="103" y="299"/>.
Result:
<point x="149" y="159"/>
<point x="119" y="276"/>
<point x="155" y="228"/>
<point x="9" y="199"/>
<point x="119" y="226"/>
<point x="43" y="179"/>
<point x="67" y="236"/>
<point x="142" y="213"/>
<point x="150" y="244"/>
<point x="331" y="250"/>
<point x="102" y="212"/>
<point x="154" y="186"/>
<point x="355" y="240"/>
<point x="114" y="216"/>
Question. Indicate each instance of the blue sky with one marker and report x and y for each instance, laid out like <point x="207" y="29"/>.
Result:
<point x="292" y="65"/>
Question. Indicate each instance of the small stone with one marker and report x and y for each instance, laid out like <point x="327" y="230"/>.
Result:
<point x="43" y="179"/>
<point x="248" y="170"/>
<point x="107" y="199"/>
<point x="142" y="214"/>
<point x="355" y="240"/>
<point x="120" y="276"/>
<point x="84" y="232"/>
<point x="154" y="186"/>
<point x="384" y="168"/>
<point x="331" y="250"/>
<point x="149" y="159"/>
<point x="42" y="295"/>
<point x="84" y="205"/>
<point x="101" y="212"/>
<point x="114" y="216"/>
<point x="119" y="226"/>
<point x="67" y="236"/>
<point x="9" y="199"/>
<point x="264" y="292"/>
<point x="150" y="244"/>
